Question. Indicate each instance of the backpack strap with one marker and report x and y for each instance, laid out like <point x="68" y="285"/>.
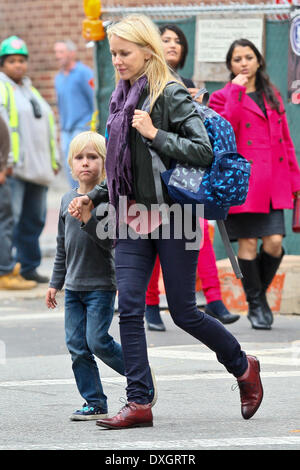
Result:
<point x="204" y="92"/>
<point x="229" y="250"/>
<point x="157" y="168"/>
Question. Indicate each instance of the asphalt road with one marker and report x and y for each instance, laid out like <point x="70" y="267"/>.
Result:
<point x="197" y="409"/>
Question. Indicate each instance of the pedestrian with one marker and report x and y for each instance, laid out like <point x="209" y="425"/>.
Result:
<point x="175" y="47"/>
<point x="253" y="106"/>
<point x="33" y="146"/>
<point x="84" y="264"/>
<point x="176" y="131"/>
<point x="75" y="97"/>
<point x="10" y="277"/>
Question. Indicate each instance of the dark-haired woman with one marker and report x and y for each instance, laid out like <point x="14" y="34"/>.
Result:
<point x="254" y="108"/>
<point x="176" y="50"/>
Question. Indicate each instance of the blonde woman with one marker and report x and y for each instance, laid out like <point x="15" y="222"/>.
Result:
<point x="175" y="130"/>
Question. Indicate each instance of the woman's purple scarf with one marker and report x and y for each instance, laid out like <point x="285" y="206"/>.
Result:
<point x="123" y="102"/>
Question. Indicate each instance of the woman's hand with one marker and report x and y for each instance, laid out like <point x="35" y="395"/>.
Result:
<point x="142" y="122"/>
<point x="297" y="194"/>
<point x="76" y="205"/>
<point x="193" y="92"/>
<point x="241" y="79"/>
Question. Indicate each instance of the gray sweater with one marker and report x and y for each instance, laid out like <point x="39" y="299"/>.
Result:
<point x="83" y="262"/>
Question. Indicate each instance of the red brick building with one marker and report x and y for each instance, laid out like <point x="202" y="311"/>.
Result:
<point x="42" y="22"/>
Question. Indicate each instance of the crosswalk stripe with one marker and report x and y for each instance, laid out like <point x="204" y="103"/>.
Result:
<point x="191" y="444"/>
<point x="159" y="378"/>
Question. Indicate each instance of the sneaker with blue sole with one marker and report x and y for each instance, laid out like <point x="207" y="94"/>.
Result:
<point x="153" y="390"/>
<point x="88" y="412"/>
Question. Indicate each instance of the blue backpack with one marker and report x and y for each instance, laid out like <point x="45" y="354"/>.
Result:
<point x="222" y="185"/>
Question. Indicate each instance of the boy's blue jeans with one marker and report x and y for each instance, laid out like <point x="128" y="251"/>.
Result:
<point x="88" y="316"/>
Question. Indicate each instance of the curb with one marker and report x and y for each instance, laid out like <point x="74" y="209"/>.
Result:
<point x="283" y="294"/>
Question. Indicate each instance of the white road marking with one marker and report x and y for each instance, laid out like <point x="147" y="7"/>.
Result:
<point x="199" y="356"/>
<point x="159" y="378"/>
<point x="180" y="444"/>
<point x="32" y="316"/>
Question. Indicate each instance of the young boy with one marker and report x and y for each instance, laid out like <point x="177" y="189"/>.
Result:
<point x="85" y="264"/>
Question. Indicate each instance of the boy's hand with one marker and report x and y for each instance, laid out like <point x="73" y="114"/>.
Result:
<point x="76" y="205"/>
<point x="50" y="297"/>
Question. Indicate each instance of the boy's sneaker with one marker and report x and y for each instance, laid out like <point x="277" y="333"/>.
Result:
<point x="88" y="412"/>
<point x="153" y="390"/>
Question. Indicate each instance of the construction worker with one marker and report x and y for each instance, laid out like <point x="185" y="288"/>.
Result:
<point x="33" y="152"/>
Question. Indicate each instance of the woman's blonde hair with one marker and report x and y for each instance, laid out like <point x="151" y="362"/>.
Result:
<point x="140" y="30"/>
<point x="80" y="141"/>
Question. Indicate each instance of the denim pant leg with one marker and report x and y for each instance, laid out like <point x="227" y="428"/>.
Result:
<point x="179" y="273"/>
<point x="83" y="363"/>
<point x="134" y="264"/>
<point x="99" y="315"/>
<point x="30" y="209"/>
<point x="6" y="230"/>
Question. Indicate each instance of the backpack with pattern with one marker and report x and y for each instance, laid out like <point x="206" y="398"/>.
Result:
<point x="222" y="185"/>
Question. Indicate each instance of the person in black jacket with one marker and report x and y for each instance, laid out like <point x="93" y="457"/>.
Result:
<point x="175" y="47"/>
<point x="175" y="130"/>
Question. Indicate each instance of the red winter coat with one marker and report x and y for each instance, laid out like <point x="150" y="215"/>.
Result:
<point x="267" y="145"/>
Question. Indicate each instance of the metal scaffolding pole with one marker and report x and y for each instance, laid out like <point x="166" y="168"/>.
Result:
<point x="193" y="10"/>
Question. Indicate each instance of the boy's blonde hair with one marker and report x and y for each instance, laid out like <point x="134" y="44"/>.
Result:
<point x="80" y="141"/>
<point x="140" y="30"/>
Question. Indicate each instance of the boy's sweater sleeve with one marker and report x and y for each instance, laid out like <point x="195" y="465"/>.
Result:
<point x="59" y="268"/>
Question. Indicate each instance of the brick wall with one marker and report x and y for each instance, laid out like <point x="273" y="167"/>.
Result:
<point x="42" y="22"/>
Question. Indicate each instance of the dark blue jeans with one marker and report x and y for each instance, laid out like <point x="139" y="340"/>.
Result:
<point x="29" y="203"/>
<point x="88" y="317"/>
<point x="6" y="230"/>
<point x="134" y="264"/>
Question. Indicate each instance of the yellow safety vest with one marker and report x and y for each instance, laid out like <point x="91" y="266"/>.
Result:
<point x="8" y="98"/>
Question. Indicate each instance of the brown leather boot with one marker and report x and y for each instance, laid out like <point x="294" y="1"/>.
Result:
<point x="251" y="389"/>
<point x="132" y="415"/>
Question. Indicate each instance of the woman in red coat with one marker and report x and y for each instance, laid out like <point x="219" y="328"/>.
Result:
<point x="254" y="108"/>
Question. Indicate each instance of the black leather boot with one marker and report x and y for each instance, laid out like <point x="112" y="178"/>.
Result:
<point x="153" y="318"/>
<point x="253" y="290"/>
<point x="268" y="266"/>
